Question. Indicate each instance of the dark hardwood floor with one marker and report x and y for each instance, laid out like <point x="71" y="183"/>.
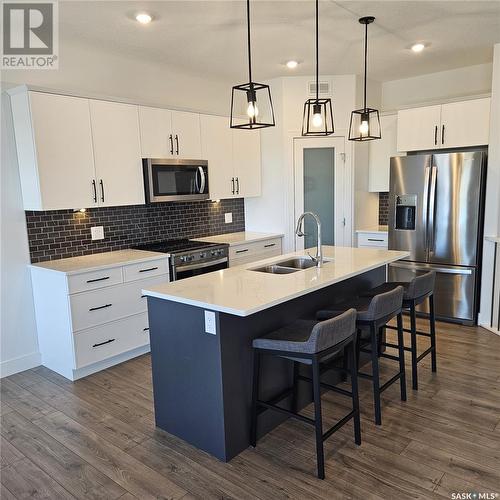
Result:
<point x="95" y="438"/>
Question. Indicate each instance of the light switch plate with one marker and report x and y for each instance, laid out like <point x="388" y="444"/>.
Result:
<point x="228" y="218"/>
<point x="97" y="233"/>
<point x="210" y="326"/>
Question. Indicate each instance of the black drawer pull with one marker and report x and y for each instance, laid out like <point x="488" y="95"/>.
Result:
<point x="100" y="307"/>
<point x="143" y="296"/>
<point x="98" y="279"/>
<point x="103" y="343"/>
<point x="145" y="329"/>
<point x="374" y="239"/>
<point x="242" y="251"/>
<point x="270" y="245"/>
<point x="149" y="269"/>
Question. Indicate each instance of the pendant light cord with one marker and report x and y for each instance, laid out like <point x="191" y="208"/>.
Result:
<point x="317" y="50"/>
<point x="249" y="49"/>
<point x="366" y="57"/>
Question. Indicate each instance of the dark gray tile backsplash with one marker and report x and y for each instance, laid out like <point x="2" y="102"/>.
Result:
<point x="64" y="233"/>
<point x="383" y="209"/>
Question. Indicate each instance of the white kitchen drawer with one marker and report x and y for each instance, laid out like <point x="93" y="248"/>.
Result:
<point x="105" y="341"/>
<point x="94" y="279"/>
<point x="143" y="270"/>
<point x="256" y="247"/>
<point x="372" y="239"/>
<point x="96" y="307"/>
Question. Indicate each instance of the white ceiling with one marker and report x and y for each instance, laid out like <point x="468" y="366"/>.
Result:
<point x="208" y="38"/>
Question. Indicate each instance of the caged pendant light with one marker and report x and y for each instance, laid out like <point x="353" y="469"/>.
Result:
<point x="318" y="115"/>
<point x="365" y="122"/>
<point x="251" y="103"/>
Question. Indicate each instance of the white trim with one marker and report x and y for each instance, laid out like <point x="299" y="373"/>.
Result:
<point x="490" y="329"/>
<point x="20" y="364"/>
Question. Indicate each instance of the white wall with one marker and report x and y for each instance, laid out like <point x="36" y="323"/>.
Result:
<point x="19" y="346"/>
<point x="437" y="87"/>
<point x="492" y="209"/>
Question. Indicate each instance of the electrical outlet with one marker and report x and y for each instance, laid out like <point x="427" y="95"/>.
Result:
<point x="97" y="233"/>
<point x="228" y="218"/>
<point x="210" y="323"/>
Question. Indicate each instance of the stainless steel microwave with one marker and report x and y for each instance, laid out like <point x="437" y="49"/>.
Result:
<point x="173" y="179"/>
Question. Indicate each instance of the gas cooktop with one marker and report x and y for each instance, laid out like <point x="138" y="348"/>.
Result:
<point x="175" y="246"/>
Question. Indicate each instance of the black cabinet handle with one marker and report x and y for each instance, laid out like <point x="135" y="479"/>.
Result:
<point x="148" y="269"/>
<point x="270" y="245"/>
<point x="374" y="239"/>
<point x="95" y="190"/>
<point x="100" y="307"/>
<point x="237" y="185"/>
<point x="232" y="185"/>
<point x="242" y="251"/>
<point x="143" y="296"/>
<point x="442" y="135"/>
<point x="435" y="135"/>
<point x="176" y="143"/>
<point x="102" y="190"/>
<point x="103" y="343"/>
<point x="145" y="329"/>
<point x="171" y="144"/>
<point x="98" y="279"/>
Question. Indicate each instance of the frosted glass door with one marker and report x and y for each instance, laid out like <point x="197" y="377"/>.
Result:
<point x="319" y="194"/>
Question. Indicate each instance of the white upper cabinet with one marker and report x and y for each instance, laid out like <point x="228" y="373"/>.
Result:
<point x="453" y="125"/>
<point x="217" y="149"/>
<point x="186" y="135"/>
<point x="418" y="128"/>
<point x="54" y="147"/>
<point x="465" y="123"/>
<point x="117" y="153"/>
<point x="156" y="132"/>
<point x="247" y="162"/>
<point x="380" y="154"/>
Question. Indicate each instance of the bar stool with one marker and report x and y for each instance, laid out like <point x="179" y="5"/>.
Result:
<point x="311" y="343"/>
<point x="416" y="292"/>
<point x="372" y="314"/>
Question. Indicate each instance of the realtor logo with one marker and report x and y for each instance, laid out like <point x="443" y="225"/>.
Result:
<point x="30" y="35"/>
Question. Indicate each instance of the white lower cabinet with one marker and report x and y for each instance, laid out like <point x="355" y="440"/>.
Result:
<point x="90" y="320"/>
<point x="376" y="239"/>
<point x="254" y="251"/>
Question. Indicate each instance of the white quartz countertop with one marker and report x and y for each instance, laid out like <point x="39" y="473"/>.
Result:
<point x="374" y="229"/>
<point x="241" y="291"/>
<point x="96" y="261"/>
<point x="233" y="239"/>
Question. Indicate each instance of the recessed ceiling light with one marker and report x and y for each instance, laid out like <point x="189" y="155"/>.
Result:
<point x="143" y="18"/>
<point x="292" y="64"/>
<point x="418" y="47"/>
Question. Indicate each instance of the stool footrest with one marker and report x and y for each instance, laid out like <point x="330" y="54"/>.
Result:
<point x="338" y="425"/>
<point x="327" y="386"/>
<point x="407" y="330"/>
<point x="389" y="356"/>
<point x="427" y="351"/>
<point x="395" y="346"/>
<point x="269" y="406"/>
<point x="391" y="381"/>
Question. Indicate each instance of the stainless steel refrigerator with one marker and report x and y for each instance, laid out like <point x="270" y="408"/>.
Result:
<point x="436" y="213"/>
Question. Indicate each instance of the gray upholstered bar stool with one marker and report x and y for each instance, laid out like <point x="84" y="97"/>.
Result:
<point x="312" y="343"/>
<point x="373" y="313"/>
<point x="416" y="291"/>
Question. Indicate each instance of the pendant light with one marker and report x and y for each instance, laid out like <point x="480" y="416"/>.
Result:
<point x="365" y="122"/>
<point x="318" y="115"/>
<point x="251" y="103"/>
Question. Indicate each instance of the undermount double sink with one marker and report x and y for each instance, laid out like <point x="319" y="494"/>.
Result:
<point x="289" y="266"/>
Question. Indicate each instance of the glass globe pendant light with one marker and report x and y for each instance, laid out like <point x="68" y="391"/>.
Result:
<point x="318" y="115"/>
<point x="365" y="122"/>
<point x="251" y="103"/>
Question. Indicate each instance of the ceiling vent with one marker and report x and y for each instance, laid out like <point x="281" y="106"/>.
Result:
<point x="324" y="89"/>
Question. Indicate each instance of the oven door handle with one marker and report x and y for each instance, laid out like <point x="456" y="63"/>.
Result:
<point x="189" y="267"/>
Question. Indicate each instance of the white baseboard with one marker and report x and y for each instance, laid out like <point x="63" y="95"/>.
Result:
<point x="490" y="329"/>
<point x="16" y="365"/>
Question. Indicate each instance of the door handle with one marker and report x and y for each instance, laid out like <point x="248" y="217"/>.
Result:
<point x="432" y="207"/>
<point x="104" y="343"/>
<point x="232" y="185"/>
<point x="176" y="143"/>
<point x="201" y="189"/>
<point x="423" y="267"/>
<point x="436" y="135"/>
<point x="102" y="190"/>
<point x="442" y="135"/>
<point x="237" y="185"/>
<point x="171" y="144"/>
<point x="95" y="190"/>
<point x="425" y="209"/>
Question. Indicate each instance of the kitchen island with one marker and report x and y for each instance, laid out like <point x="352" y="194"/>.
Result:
<point x="201" y="332"/>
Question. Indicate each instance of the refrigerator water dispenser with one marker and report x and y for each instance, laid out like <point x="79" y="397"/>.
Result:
<point x="406" y="212"/>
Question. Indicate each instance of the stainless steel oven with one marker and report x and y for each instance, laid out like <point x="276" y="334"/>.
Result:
<point x="173" y="179"/>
